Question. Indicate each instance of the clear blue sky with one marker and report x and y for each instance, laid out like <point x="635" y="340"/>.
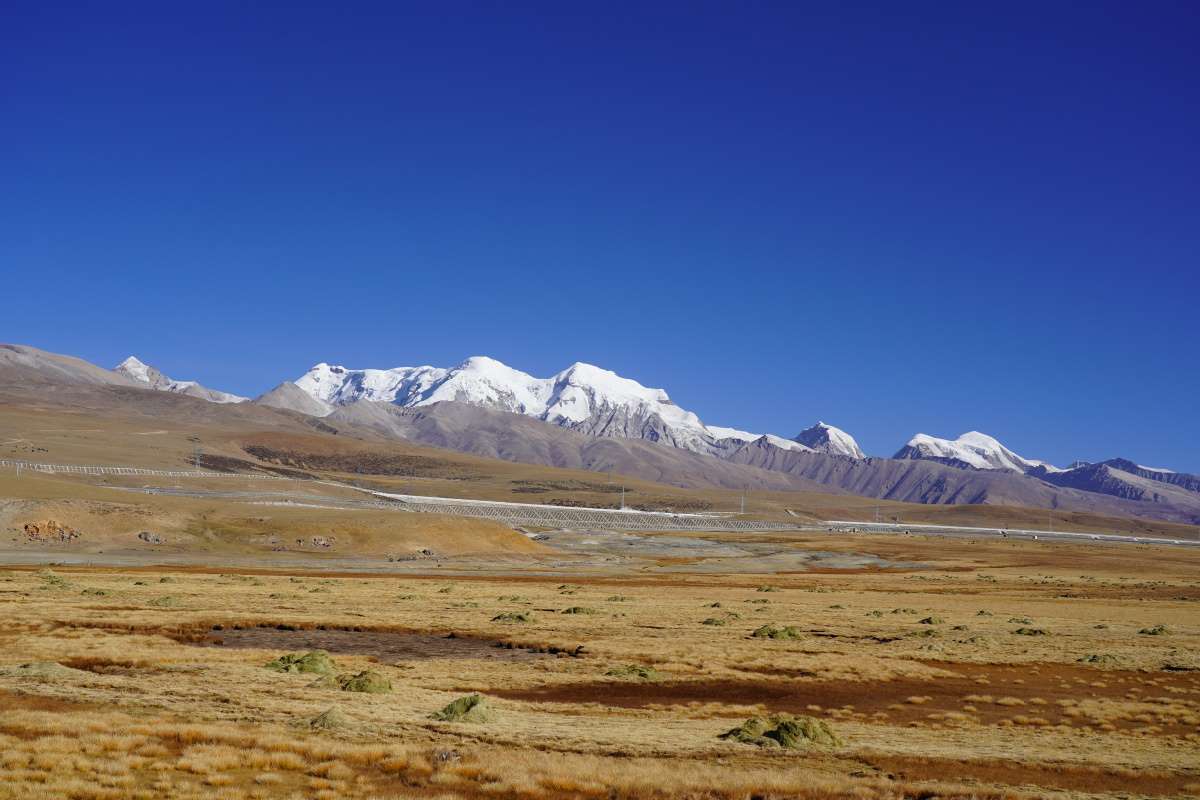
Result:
<point x="897" y="217"/>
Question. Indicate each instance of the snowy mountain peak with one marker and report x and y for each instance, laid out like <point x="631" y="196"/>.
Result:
<point x="825" y="438"/>
<point x="138" y="370"/>
<point x="972" y="449"/>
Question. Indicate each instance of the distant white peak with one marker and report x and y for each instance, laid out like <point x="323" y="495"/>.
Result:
<point x="140" y="371"/>
<point x="1157" y="469"/>
<point x="825" y="438"/>
<point x="976" y="449"/>
<point x="135" y="368"/>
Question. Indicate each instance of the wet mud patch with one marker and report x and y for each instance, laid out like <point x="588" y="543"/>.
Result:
<point x="1037" y="695"/>
<point x="388" y="647"/>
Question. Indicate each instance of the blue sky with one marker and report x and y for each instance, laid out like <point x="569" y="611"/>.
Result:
<point x="893" y="217"/>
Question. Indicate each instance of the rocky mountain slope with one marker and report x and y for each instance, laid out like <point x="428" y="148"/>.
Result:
<point x="144" y="373"/>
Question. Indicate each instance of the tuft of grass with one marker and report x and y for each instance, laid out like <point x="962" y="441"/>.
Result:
<point x="579" y="610"/>
<point x="637" y="671"/>
<point x="783" y="730"/>
<point x="367" y="681"/>
<point x="330" y="719"/>
<point x="1099" y="658"/>
<point x="1157" y="630"/>
<point x="766" y="589"/>
<point x="471" y="708"/>
<point x="931" y="621"/>
<point x="769" y="631"/>
<point x="166" y="601"/>
<point x="1031" y="632"/>
<point x="513" y="616"/>
<point x="713" y="621"/>
<point x="317" y="662"/>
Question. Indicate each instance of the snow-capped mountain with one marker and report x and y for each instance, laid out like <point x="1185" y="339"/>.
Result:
<point x="144" y="373"/>
<point x="828" y="439"/>
<point x="972" y="449"/>
<point x="582" y="397"/>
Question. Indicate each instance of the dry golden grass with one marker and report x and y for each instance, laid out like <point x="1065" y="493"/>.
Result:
<point x="120" y="695"/>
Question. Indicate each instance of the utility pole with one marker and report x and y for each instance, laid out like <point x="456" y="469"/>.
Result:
<point x="743" y="501"/>
<point x="196" y="455"/>
<point x="622" y="497"/>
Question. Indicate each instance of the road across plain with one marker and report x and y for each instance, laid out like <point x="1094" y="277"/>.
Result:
<point x="613" y="519"/>
<point x="846" y="526"/>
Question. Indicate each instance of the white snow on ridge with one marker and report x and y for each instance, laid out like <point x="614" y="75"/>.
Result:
<point x="786" y="444"/>
<point x="975" y="449"/>
<point x="144" y="373"/>
<point x="825" y="438"/>
<point x="718" y="432"/>
<point x="1156" y="469"/>
<point x="583" y="397"/>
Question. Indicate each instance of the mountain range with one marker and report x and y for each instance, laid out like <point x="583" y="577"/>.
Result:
<point x="588" y="417"/>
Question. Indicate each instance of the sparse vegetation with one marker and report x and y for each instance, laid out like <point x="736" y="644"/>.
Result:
<point x="783" y="730"/>
<point x="775" y="632"/>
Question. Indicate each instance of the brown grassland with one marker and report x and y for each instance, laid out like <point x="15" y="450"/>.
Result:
<point x="151" y="682"/>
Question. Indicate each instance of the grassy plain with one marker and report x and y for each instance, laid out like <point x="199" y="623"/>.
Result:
<point x="151" y="683"/>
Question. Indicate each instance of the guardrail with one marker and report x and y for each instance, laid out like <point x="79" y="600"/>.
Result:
<point x="98" y="469"/>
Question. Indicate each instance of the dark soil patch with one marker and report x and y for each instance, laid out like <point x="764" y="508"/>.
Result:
<point x="14" y="701"/>
<point x="385" y="646"/>
<point x="1024" y="695"/>
<point x="1070" y="777"/>
<point x="108" y="666"/>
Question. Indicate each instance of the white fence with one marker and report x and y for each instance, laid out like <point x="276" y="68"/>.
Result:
<point x="97" y="469"/>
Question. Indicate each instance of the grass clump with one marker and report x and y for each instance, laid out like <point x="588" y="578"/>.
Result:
<point x="637" y="671"/>
<point x="931" y="621"/>
<point x="513" y="616"/>
<point x="317" y="662"/>
<point x="471" y="708"/>
<point x="1020" y="620"/>
<point x="783" y="730"/>
<point x="1157" y="630"/>
<point x="1099" y="658"/>
<point x="329" y="719"/>
<point x="579" y="610"/>
<point x="166" y="601"/>
<point x="367" y="681"/>
<point x="616" y="598"/>
<point x="766" y="589"/>
<point x="773" y="632"/>
<point x="1031" y="632"/>
<point x="713" y="621"/>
